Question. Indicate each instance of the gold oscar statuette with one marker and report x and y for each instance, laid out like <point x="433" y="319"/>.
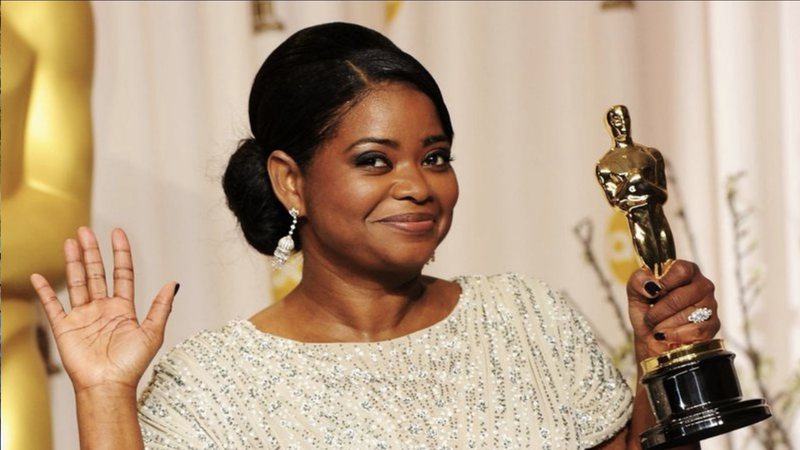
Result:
<point x="693" y="389"/>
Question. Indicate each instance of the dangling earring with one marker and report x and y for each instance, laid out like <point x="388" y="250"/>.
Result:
<point x="286" y="244"/>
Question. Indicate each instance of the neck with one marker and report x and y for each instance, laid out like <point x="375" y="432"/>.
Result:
<point x="353" y="305"/>
<point x="623" y="143"/>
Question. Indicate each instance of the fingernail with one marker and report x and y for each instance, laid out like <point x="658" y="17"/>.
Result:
<point x="659" y="336"/>
<point x="652" y="288"/>
<point x="177" y="287"/>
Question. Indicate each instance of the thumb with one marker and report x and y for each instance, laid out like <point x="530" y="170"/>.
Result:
<point x="156" y="320"/>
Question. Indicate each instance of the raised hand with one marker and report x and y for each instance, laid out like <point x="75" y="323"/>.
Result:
<point x="100" y="340"/>
<point x="659" y="309"/>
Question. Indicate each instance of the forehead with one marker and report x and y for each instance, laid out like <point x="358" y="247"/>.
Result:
<point x="391" y="110"/>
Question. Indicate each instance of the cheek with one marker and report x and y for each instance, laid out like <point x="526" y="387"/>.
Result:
<point x="359" y="195"/>
<point x="449" y="192"/>
<point x="342" y="200"/>
<point x="448" y="197"/>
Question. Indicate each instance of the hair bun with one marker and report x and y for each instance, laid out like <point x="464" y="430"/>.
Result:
<point x="251" y="198"/>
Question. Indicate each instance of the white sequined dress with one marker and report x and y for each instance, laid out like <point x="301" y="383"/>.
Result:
<point x="513" y="366"/>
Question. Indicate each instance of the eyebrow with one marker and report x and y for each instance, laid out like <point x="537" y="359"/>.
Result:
<point x="430" y="140"/>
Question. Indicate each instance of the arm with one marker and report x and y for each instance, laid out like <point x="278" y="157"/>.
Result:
<point x="609" y="185"/>
<point x="661" y="177"/>
<point x="107" y="418"/>
<point x="104" y="348"/>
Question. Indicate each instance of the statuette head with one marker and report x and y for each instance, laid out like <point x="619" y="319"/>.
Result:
<point x="619" y="124"/>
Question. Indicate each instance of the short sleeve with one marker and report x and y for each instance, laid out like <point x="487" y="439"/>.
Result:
<point x="171" y="415"/>
<point x="602" y="398"/>
<point x="601" y="402"/>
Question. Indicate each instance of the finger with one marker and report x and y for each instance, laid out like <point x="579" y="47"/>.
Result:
<point x="156" y="320"/>
<point x="680" y="273"/>
<point x="676" y="300"/>
<point x="644" y="287"/>
<point x="50" y="302"/>
<point x="93" y="264"/>
<point x="76" y="276"/>
<point x="682" y="317"/>
<point x="690" y="332"/>
<point x="643" y="290"/>
<point x="123" y="265"/>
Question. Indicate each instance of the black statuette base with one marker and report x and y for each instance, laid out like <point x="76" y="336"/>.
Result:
<point x="697" y="400"/>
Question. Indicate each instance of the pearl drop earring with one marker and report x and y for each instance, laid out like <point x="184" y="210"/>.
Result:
<point x="286" y="244"/>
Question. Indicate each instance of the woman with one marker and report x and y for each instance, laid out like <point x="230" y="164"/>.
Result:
<point x="350" y="159"/>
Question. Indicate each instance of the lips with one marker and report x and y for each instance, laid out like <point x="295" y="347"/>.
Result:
<point x="416" y="223"/>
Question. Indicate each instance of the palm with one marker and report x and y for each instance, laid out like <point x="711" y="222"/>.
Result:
<point x="100" y="340"/>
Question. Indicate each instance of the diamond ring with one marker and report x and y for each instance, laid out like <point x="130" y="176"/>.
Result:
<point x="700" y="315"/>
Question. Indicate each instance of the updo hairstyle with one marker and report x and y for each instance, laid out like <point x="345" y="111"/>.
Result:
<point x="299" y="96"/>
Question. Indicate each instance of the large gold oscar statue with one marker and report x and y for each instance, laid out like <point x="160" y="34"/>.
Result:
<point x="47" y="55"/>
<point x="693" y="389"/>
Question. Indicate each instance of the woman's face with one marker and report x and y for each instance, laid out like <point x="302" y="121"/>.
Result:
<point x="379" y="195"/>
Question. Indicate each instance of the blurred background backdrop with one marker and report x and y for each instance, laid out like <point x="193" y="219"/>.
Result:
<point x="715" y="86"/>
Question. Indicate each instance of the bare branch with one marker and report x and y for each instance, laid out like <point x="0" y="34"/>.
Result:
<point x="772" y="432"/>
<point x="584" y="230"/>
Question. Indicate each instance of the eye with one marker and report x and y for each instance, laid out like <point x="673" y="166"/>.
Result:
<point x="373" y="160"/>
<point x="438" y="158"/>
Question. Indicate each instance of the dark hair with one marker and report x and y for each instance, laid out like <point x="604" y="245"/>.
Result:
<point x="299" y="95"/>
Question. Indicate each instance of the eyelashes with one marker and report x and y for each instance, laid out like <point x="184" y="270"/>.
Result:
<point x="374" y="160"/>
<point x="440" y="158"/>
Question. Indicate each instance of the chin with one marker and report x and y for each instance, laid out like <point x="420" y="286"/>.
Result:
<point x="410" y="262"/>
<point x="406" y="255"/>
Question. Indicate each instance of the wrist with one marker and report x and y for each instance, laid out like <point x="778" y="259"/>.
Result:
<point x="106" y="390"/>
<point x="106" y="403"/>
<point x="642" y="351"/>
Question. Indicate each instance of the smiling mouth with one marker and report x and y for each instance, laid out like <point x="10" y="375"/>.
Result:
<point x="415" y="223"/>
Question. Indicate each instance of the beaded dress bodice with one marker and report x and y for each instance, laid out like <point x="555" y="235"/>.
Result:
<point x="512" y="366"/>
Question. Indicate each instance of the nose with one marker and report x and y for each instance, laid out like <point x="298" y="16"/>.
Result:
<point x="411" y="184"/>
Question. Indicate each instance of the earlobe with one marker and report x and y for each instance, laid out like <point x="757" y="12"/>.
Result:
<point x="286" y="180"/>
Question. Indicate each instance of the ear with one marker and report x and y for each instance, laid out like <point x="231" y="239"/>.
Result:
<point x="286" y="179"/>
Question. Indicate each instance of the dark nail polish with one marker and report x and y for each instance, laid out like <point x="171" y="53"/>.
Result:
<point x="659" y="336"/>
<point x="177" y="287"/>
<point x="652" y="288"/>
